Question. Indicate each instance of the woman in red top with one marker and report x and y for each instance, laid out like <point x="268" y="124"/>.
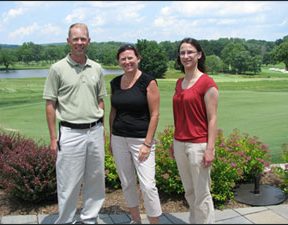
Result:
<point x="195" y="103"/>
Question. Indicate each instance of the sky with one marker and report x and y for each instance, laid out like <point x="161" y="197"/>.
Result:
<point x="43" y="22"/>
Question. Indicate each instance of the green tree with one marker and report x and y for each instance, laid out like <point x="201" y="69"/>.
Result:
<point x="280" y="53"/>
<point x="7" y="57"/>
<point x="268" y="58"/>
<point x="104" y="52"/>
<point x="240" y="61"/>
<point x="53" y="53"/>
<point x="229" y="54"/>
<point x="254" y="64"/>
<point x="170" y="48"/>
<point x="154" y="59"/>
<point x="219" y="45"/>
<point x="214" y="64"/>
<point x="29" y="52"/>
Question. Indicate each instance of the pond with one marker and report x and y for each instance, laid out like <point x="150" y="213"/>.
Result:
<point x="40" y="73"/>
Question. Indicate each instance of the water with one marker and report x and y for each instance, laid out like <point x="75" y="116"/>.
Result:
<point x="40" y="73"/>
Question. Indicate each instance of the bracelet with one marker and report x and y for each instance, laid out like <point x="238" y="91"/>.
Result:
<point x="148" y="146"/>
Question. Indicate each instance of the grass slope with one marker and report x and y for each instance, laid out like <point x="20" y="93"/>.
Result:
<point x="257" y="106"/>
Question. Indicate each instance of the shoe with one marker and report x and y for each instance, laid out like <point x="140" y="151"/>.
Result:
<point x="135" y="222"/>
<point x="77" y="222"/>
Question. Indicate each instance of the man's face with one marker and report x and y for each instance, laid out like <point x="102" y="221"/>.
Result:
<point x="78" y="40"/>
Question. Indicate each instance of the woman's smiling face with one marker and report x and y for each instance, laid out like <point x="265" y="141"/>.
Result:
<point x="128" y="60"/>
<point x="189" y="55"/>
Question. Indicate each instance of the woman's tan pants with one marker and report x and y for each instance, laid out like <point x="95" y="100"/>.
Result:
<point x="196" y="181"/>
<point x="125" y="152"/>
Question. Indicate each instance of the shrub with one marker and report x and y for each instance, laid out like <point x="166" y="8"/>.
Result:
<point x="283" y="172"/>
<point x="167" y="176"/>
<point x="27" y="169"/>
<point x="8" y="142"/>
<point x="225" y="172"/>
<point x="252" y="155"/>
<point x="237" y="157"/>
<point x="111" y="177"/>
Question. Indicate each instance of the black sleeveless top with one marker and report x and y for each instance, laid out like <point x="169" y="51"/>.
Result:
<point x="132" y="112"/>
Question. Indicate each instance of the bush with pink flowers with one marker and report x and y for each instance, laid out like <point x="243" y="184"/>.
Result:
<point x="238" y="159"/>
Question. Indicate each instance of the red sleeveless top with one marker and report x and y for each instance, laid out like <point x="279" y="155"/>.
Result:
<point x="189" y="110"/>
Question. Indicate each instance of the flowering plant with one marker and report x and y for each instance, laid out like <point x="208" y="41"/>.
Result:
<point x="27" y="169"/>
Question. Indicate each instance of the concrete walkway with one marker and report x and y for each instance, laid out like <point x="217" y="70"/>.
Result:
<point x="276" y="214"/>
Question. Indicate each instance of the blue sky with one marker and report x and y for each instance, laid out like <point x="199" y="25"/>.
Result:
<point x="44" y="22"/>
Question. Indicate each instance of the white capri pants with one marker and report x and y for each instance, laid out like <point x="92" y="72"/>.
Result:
<point x="80" y="160"/>
<point x="196" y="181"/>
<point x="125" y="151"/>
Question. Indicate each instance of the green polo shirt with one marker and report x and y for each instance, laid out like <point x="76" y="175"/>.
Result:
<point x="76" y="88"/>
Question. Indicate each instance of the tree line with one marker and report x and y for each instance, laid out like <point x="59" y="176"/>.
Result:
<point x="227" y="55"/>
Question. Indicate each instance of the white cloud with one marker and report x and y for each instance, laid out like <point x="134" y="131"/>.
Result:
<point x="131" y="14"/>
<point x="15" y="12"/>
<point x="223" y="18"/>
<point x="32" y="4"/>
<point x="76" y="15"/>
<point x="103" y="4"/>
<point x="98" y="21"/>
<point x="216" y="8"/>
<point x="112" y="12"/>
<point x="132" y="20"/>
<point x="192" y="9"/>
<point x="24" y="31"/>
<point x="241" y="8"/>
<point x="12" y="13"/>
<point x="283" y="23"/>
<point x="23" y="8"/>
<point x="50" y="29"/>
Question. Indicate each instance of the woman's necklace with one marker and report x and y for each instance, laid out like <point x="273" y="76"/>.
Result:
<point x="129" y="81"/>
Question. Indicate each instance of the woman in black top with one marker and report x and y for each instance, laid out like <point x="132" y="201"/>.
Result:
<point x="133" y="121"/>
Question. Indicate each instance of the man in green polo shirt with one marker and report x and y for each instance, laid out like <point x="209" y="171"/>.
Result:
<point x="74" y="92"/>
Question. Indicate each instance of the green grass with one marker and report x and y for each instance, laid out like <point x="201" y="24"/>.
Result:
<point x="255" y="105"/>
<point x="261" y="114"/>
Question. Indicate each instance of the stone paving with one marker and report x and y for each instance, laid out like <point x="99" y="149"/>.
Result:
<point x="276" y="214"/>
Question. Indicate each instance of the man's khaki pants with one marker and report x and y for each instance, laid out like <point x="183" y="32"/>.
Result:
<point x="80" y="161"/>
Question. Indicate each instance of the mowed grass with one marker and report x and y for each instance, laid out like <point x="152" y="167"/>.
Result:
<point x="257" y="106"/>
